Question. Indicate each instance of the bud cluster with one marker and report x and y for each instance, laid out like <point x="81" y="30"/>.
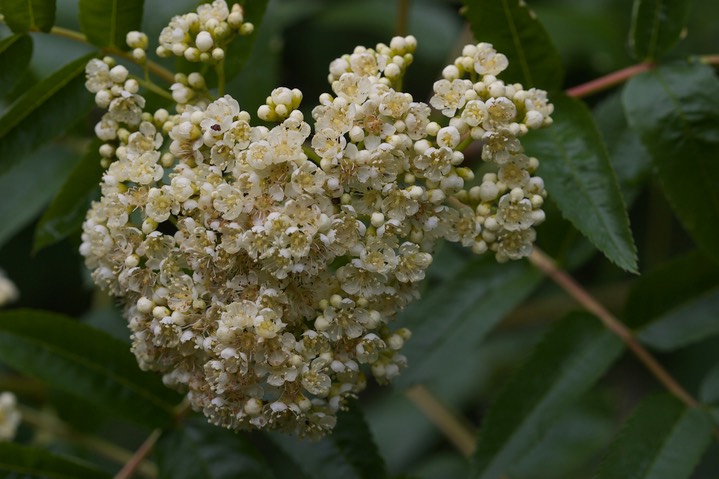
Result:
<point x="203" y="35"/>
<point x="261" y="267"/>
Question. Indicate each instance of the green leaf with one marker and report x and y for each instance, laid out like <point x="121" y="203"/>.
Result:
<point x="80" y="360"/>
<point x="513" y="28"/>
<point x="25" y="15"/>
<point x="628" y="156"/>
<point x="570" y="358"/>
<point x="28" y="186"/>
<point x="574" y="438"/>
<point x="684" y="325"/>
<point x="44" y="112"/>
<point x="579" y="177"/>
<point x="656" y="26"/>
<point x="662" y="440"/>
<point x="67" y="210"/>
<point x="709" y="390"/>
<point x="106" y="22"/>
<point x="15" y="53"/>
<point x="675" y="110"/>
<point x="241" y="47"/>
<point x="349" y="452"/>
<point x="18" y="461"/>
<point x="469" y="305"/>
<point x="199" y="450"/>
<point x="669" y="287"/>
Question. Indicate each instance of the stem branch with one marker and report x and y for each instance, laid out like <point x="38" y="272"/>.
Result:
<point x="402" y="18"/>
<point x="53" y="425"/>
<point x="459" y="434"/>
<point x="153" y="67"/>
<point x="134" y="462"/>
<point x="567" y="283"/>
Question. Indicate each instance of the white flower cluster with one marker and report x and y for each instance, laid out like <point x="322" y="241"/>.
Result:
<point x="8" y="290"/>
<point x="9" y="416"/>
<point x="203" y="36"/>
<point x="508" y="201"/>
<point x="260" y="267"/>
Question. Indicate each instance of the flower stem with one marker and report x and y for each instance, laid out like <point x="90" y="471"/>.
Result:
<point x="53" y="425"/>
<point x="153" y="87"/>
<point x="153" y="67"/>
<point x="402" y="18"/>
<point x="608" y="81"/>
<point x="567" y="283"/>
<point x="220" y="69"/>
<point x="620" y="76"/>
<point x="141" y="453"/>
<point x="459" y="434"/>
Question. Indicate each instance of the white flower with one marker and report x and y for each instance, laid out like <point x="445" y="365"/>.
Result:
<point x="9" y="416"/>
<point x="8" y="290"/>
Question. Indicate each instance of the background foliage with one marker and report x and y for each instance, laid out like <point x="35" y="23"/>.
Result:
<point x="632" y="169"/>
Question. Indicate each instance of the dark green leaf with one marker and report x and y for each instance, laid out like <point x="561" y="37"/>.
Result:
<point x="709" y="391"/>
<point x="570" y="358"/>
<point x="75" y="358"/>
<point x="67" y="210"/>
<point x="17" y="461"/>
<point x="44" y="111"/>
<point x="628" y="156"/>
<point x="199" y="450"/>
<point x="656" y="26"/>
<point x="240" y="49"/>
<point x="28" y="186"/>
<point x="354" y="440"/>
<point x="469" y="305"/>
<point x="15" y="53"/>
<point x="662" y="440"/>
<point x="349" y="452"/>
<point x="580" y="179"/>
<point x="513" y="28"/>
<point x="574" y="438"/>
<point x="675" y="110"/>
<point x="25" y="15"/>
<point x="692" y="322"/>
<point x="669" y="287"/>
<point x="106" y="22"/>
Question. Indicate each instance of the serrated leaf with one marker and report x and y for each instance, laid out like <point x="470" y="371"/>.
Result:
<point x="580" y="179"/>
<point x="656" y="26"/>
<point x="675" y="110"/>
<point x="514" y="30"/>
<point x="709" y="390"/>
<point x="199" y="450"/>
<point x="28" y="186"/>
<point x="470" y="304"/>
<point x="348" y="452"/>
<point x="694" y="321"/>
<point x="662" y="440"/>
<point x="80" y="360"/>
<point x="628" y="156"/>
<point x="15" y="53"/>
<point x="566" y="363"/>
<point x="43" y="112"/>
<point x="25" y="15"/>
<point x="106" y="22"/>
<point x="26" y="462"/>
<point x="67" y="210"/>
